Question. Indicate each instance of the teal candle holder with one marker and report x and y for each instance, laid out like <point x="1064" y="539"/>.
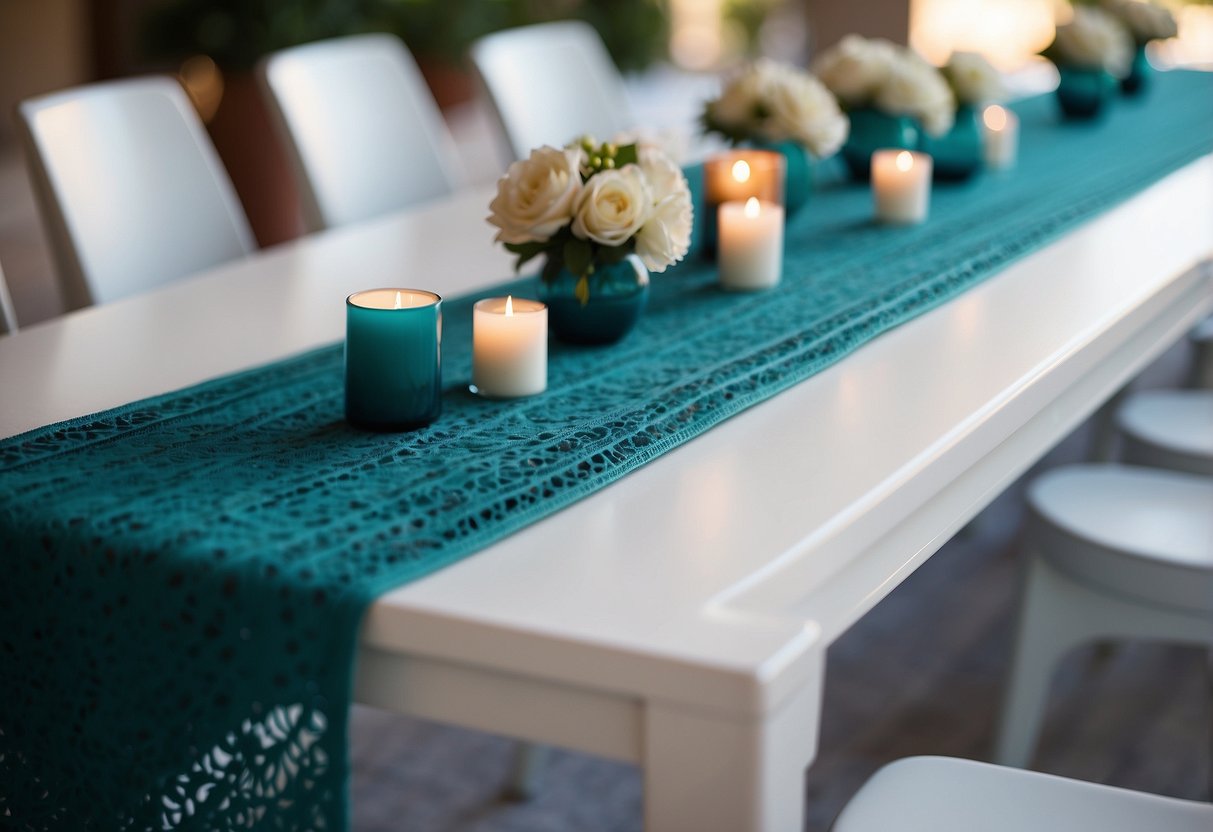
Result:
<point x="393" y="358"/>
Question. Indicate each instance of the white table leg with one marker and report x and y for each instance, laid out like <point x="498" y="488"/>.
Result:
<point x="713" y="773"/>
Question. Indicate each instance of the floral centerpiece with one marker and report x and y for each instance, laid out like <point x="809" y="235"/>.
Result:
<point x="1146" y="21"/>
<point x="974" y="83"/>
<point x="778" y="106"/>
<point x="603" y="216"/>
<point x="1091" y="52"/>
<point x="891" y="93"/>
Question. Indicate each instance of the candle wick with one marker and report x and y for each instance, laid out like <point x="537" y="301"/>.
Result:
<point x="509" y="305"/>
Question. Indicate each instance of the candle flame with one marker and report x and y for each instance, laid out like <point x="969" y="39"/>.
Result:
<point x="905" y="160"/>
<point x="751" y="208"/>
<point x="995" y="117"/>
<point x="397" y="300"/>
<point x="741" y="170"/>
<point x="509" y="306"/>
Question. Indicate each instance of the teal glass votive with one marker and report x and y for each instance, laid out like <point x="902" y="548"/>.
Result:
<point x="393" y="358"/>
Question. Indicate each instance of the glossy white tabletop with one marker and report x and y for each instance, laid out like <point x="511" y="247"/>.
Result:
<point x="704" y="575"/>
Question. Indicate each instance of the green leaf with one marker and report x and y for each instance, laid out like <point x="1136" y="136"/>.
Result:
<point x="578" y="256"/>
<point x="626" y="155"/>
<point x="582" y="291"/>
<point x="525" y="252"/>
<point x="551" y="269"/>
<point x="613" y="254"/>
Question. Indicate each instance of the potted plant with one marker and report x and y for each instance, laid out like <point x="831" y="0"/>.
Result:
<point x="1146" y="21"/>
<point x="1092" y="52"/>
<point x="779" y="107"/>
<point x="603" y="216"/>
<point x="891" y="93"/>
<point x="974" y="82"/>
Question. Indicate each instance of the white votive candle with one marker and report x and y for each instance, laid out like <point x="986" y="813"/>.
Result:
<point x="1000" y="137"/>
<point x="509" y="347"/>
<point x="901" y="185"/>
<point x="751" y="244"/>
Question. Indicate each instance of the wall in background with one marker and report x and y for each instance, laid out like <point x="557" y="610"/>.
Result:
<point x="43" y="47"/>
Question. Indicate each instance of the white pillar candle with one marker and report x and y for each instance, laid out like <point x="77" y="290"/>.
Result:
<point x="751" y="244"/>
<point x="509" y="347"/>
<point x="901" y="184"/>
<point x="1000" y="137"/>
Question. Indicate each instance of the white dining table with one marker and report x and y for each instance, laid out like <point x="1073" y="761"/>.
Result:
<point x="679" y="618"/>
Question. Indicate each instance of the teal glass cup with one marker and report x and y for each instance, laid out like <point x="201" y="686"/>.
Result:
<point x="393" y="358"/>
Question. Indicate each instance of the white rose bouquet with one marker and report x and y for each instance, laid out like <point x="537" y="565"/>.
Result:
<point x="774" y="102"/>
<point x="590" y="204"/>
<point x="896" y="80"/>
<point x="973" y="80"/>
<point x="1145" y="21"/>
<point x="1093" y="39"/>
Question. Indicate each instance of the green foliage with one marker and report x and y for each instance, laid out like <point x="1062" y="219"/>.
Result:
<point x="236" y="33"/>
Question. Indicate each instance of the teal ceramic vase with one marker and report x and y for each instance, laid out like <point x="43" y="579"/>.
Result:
<point x="1084" y="94"/>
<point x="618" y="294"/>
<point x="872" y="130"/>
<point x="798" y="173"/>
<point x="1138" y="79"/>
<point x="957" y="153"/>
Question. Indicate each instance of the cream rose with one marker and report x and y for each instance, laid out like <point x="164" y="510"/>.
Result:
<point x="664" y="238"/>
<point x="802" y="109"/>
<point x="612" y="206"/>
<point x="915" y="88"/>
<point x="1146" y="21"/>
<point x="856" y="68"/>
<point x="973" y="79"/>
<point x="1093" y="39"/>
<point x="738" y="101"/>
<point x="536" y="197"/>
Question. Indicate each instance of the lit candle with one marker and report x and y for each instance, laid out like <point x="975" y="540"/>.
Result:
<point x="1001" y="137"/>
<point x="735" y="177"/>
<point x="509" y="347"/>
<point x="393" y="360"/>
<point x="901" y="184"/>
<point x="751" y="244"/>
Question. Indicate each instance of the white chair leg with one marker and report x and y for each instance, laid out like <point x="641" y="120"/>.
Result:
<point x="1041" y="639"/>
<point x="526" y="778"/>
<point x="1056" y="615"/>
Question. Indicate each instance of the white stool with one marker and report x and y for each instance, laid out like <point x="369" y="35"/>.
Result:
<point x="1168" y="429"/>
<point x="1113" y="552"/>
<point x="941" y="794"/>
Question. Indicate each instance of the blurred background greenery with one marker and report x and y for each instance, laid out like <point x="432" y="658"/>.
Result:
<point x="235" y="33"/>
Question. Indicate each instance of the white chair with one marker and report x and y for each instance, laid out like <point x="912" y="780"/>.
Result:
<point x="1168" y="429"/>
<point x="8" y="318"/>
<point x="1201" y="371"/>
<point x="942" y="794"/>
<point x="130" y="188"/>
<point x="550" y="83"/>
<point x="1113" y="552"/>
<point x="361" y="128"/>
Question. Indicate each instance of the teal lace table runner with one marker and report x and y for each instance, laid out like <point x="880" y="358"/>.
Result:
<point x="184" y="577"/>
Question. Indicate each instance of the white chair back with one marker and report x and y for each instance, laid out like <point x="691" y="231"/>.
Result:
<point x="8" y="318"/>
<point x="362" y="130"/>
<point x="130" y="188"/>
<point x="550" y="83"/>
